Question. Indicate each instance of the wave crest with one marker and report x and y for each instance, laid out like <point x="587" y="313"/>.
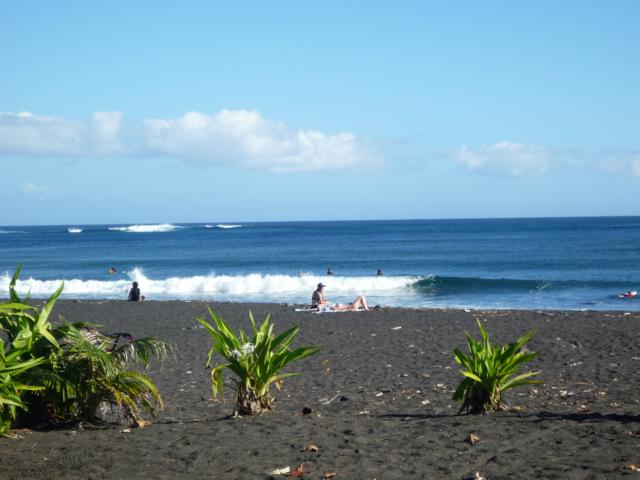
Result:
<point x="210" y="286"/>
<point x="164" y="227"/>
<point x="74" y="230"/>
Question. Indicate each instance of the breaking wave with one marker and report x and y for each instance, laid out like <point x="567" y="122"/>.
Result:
<point x="285" y="287"/>
<point x="74" y="230"/>
<point x="165" y="227"/>
<point x="222" y="225"/>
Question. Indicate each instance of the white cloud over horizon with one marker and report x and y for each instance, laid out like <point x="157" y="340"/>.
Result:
<point x="505" y="159"/>
<point x="621" y="163"/>
<point x="229" y="137"/>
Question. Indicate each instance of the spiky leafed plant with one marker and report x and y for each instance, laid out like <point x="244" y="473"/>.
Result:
<point x="10" y="386"/>
<point x="82" y="368"/>
<point x="256" y="362"/>
<point x="489" y="370"/>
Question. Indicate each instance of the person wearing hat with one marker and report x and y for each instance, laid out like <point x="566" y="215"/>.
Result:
<point x="319" y="301"/>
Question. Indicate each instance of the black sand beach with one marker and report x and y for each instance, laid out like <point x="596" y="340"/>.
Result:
<point x="380" y="399"/>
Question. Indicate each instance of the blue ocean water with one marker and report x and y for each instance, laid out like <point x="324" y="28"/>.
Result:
<point x="553" y="263"/>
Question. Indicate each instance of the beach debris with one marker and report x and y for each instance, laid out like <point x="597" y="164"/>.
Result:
<point x="333" y="398"/>
<point x="306" y="411"/>
<point x="298" y="472"/>
<point x="473" y="439"/>
<point x="379" y="394"/>
<point x="631" y="467"/>
<point x="425" y="402"/>
<point x="395" y="328"/>
<point x="518" y="408"/>
<point x="479" y="476"/>
<point x="330" y="474"/>
<point x="311" y="448"/>
<point x="280" y="471"/>
<point x="125" y="430"/>
<point x="140" y="423"/>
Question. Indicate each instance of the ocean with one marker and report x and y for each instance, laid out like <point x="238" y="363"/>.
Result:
<point x="547" y="263"/>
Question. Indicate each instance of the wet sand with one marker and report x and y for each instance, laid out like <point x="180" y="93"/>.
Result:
<point x="380" y="401"/>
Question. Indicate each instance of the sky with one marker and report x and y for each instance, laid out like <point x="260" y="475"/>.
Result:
<point x="155" y="112"/>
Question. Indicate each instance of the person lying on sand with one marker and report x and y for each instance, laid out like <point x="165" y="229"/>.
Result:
<point x="319" y="301"/>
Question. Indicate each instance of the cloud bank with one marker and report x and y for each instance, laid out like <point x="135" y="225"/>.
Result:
<point x="505" y="158"/>
<point x="229" y="137"/>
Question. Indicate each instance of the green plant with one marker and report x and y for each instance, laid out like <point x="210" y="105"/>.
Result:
<point x="256" y="362"/>
<point x="78" y="368"/>
<point x="87" y="373"/>
<point x="489" y="370"/>
<point x="10" y="387"/>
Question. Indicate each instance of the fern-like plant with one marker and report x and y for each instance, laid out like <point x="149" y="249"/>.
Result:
<point x="489" y="372"/>
<point x="256" y="361"/>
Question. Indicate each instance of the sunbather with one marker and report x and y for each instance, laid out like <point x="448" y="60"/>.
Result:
<point x="319" y="301"/>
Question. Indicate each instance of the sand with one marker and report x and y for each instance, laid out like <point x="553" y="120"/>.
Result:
<point x="380" y="401"/>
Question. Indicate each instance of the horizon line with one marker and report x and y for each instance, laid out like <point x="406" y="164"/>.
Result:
<point x="323" y="221"/>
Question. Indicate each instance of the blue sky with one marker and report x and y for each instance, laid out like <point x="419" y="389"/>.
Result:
<point x="246" y="111"/>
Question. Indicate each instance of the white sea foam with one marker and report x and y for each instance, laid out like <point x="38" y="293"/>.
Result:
<point x="268" y="287"/>
<point x="74" y="230"/>
<point x="208" y="226"/>
<point x="165" y="227"/>
<point x="11" y="231"/>
<point x="222" y="225"/>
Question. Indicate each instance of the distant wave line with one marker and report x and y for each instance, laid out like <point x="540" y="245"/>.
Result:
<point x="164" y="227"/>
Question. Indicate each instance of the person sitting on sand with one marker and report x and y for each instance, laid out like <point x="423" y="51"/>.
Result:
<point x="319" y="301"/>
<point x="134" y="294"/>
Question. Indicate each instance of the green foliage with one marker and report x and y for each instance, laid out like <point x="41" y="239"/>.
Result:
<point x="489" y="370"/>
<point x="256" y="362"/>
<point x="10" y="387"/>
<point x="72" y="369"/>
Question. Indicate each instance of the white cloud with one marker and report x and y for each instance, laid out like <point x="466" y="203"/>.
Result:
<point x="621" y="163"/>
<point x="505" y="158"/>
<point x="33" y="190"/>
<point x="237" y="137"/>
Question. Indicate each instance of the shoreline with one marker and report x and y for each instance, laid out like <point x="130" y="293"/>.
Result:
<point x="382" y="307"/>
<point x="380" y="398"/>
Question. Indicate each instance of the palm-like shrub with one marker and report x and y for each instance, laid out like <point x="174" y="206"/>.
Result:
<point x="256" y="362"/>
<point x="78" y="369"/>
<point x="86" y="373"/>
<point x="489" y="370"/>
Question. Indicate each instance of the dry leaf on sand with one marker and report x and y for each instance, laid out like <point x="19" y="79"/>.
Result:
<point x="298" y="472"/>
<point x="473" y="439"/>
<point x="311" y="448"/>
<point x="630" y="466"/>
<point x="330" y="474"/>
